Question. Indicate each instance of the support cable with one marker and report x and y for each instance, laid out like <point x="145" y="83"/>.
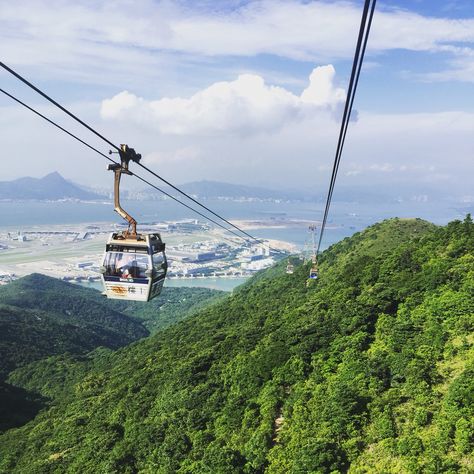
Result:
<point x="52" y="122"/>
<point x="364" y="31"/>
<point x="50" y="99"/>
<point x="57" y="104"/>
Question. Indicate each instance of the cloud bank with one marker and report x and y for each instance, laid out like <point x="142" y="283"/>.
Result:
<point x="246" y="105"/>
<point x="104" y="35"/>
<point x="243" y="128"/>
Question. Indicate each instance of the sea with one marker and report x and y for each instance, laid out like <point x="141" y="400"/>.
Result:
<point x="345" y="218"/>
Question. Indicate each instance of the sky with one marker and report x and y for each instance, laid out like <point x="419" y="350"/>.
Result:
<point x="247" y="92"/>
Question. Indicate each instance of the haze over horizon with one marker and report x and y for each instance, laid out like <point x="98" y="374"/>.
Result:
<point x="245" y="92"/>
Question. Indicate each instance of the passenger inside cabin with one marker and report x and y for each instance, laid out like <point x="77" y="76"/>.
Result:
<point x="125" y="265"/>
<point x="131" y="270"/>
<point x="135" y="267"/>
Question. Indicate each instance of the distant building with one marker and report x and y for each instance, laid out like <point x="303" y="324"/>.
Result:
<point x="165" y="227"/>
<point x="190" y="225"/>
<point x="205" y="271"/>
<point x="257" y="265"/>
<point x="82" y="236"/>
<point x="187" y="256"/>
<point x="7" y="278"/>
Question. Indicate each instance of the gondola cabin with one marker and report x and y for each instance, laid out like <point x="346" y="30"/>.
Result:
<point x="134" y="268"/>
<point x="313" y="273"/>
<point x="290" y="269"/>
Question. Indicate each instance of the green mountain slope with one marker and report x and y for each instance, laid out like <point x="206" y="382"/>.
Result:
<point x="73" y="305"/>
<point x="17" y="406"/>
<point x="368" y="369"/>
<point x="172" y="306"/>
<point x="28" y="335"/>
<point x="42" y="317"/>
<point x="38" y="306"/>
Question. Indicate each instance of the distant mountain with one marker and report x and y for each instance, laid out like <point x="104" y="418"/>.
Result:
<point x="216" y="189"/>
<point x="173" y="305"/>
<point x="345" y="193"/>
<point x="42" y="318"/>
<point x="52" y="187"/>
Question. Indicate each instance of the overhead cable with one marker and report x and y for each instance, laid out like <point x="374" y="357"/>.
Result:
<point x="95" y="132"/>
<point x="57" y="104"/>
<point x="364" y="30"/>
<point x="52" y="122"/>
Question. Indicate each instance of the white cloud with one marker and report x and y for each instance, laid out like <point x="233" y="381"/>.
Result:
<point x="113" y="37"/>
<point x="179" y="156"/>
<point x="321" y="90"/>
<point x="459" y="68"/>
<point x="382" y="167"/>
<point x="246" y="105"/>
<point x="146" y="41"/>
<point x="421" y="149"/>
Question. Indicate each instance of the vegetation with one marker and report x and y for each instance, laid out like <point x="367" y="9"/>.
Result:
<point x="42" y="316"/>
<point x="172" y="306"/>
<point x="62" y="303"/>
<point x="17" y="406"/>
<point x="368" y="369"/>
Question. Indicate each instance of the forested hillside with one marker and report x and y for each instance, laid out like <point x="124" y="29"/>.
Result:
<point x="368" y="369"/>
<point x="42" y="317"/>
<point x="173" y="305"/>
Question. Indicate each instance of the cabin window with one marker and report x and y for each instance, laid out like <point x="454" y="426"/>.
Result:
<point x="159" y="263"/>
<point x="126" y="264"/>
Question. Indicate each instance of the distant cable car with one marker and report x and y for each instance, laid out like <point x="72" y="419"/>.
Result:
<point x="134" y="265"/>
<point x="313" y="272"/>
<point x="290" y="269"/>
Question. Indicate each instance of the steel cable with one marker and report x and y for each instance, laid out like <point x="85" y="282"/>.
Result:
<point x="57" y="104"/>
<point x="52" y="122"/>
<point x="364" y="30"/>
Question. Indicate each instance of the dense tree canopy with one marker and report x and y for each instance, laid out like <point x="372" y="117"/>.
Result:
<point x="368" y="369"/>
<point x="42" y="316"/>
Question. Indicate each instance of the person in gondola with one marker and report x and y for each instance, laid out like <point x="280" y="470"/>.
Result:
<point x="130" y="270"/>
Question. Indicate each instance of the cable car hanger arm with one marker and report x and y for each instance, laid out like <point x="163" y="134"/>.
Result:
<point x="126" y="154"/>
<point x="29" y="84"/>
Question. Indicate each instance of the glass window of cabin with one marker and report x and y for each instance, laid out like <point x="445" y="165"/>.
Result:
<point x="126" y="264"/>
<point x="159" y="263"/>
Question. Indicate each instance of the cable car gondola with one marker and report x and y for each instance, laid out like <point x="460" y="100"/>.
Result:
<point x="313" y="272"/>
<point x="134" y="265"/>
<point x="290" y="269"/>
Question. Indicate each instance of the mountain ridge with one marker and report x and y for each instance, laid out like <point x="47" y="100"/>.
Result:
<point x="208" y="189"/>
<point x="51" y="187"/>
<point x="42" y="316"/>
<point x="368" y="369"/>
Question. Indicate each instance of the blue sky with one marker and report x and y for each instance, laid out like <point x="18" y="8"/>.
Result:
<point x="222" y="90"/>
